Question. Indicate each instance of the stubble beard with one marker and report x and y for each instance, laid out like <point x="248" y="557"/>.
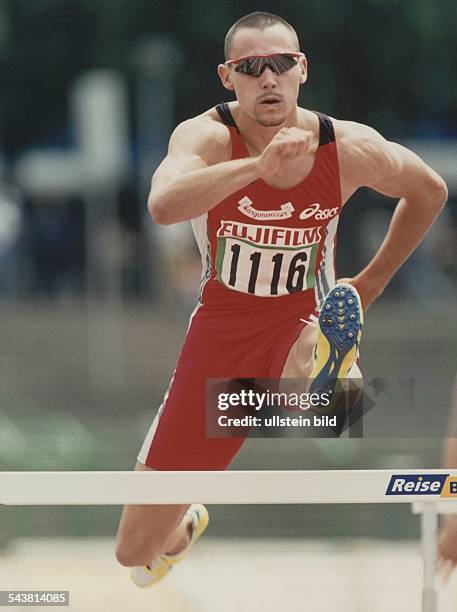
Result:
<point x="271" y="121"/>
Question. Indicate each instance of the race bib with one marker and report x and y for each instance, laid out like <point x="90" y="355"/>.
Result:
<point x="266" y="260"/>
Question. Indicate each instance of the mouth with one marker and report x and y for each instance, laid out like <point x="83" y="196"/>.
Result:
<point x="270" y="102"/>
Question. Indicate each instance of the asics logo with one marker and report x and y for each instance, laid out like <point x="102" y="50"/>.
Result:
<point x="316" y="211"/>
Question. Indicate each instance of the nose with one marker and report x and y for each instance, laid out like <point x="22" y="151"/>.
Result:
<point x="268" y="78"/>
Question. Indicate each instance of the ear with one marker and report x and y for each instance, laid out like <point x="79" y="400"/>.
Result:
<point x="224" y="73"/>
<point x="304" y="70"/>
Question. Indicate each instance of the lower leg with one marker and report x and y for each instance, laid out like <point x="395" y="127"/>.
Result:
<point x="146" y="531"/>
<point x="180" y="538"/>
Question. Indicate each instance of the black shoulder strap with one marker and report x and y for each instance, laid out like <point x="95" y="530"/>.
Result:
<point x="326" y="131"/>
<point x="226" y="115"/>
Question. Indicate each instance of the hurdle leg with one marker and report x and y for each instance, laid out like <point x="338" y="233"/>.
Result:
<point x="429" y="525"/>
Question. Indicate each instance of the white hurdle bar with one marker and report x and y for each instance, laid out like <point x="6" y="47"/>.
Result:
<point x="235" y="487"/>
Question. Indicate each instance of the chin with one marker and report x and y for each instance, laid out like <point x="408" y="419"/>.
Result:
<point x="274" y="121"/>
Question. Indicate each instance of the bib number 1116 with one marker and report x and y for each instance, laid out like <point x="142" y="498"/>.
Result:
<point x="265" y="271"/>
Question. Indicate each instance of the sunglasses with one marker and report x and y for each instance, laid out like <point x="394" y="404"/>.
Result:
<point x="254" y="65"/>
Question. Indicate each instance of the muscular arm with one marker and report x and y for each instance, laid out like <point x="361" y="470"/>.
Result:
<point x="393" y="170"/>
<point x="194" y="177"/>
<point x="191" y="179"/>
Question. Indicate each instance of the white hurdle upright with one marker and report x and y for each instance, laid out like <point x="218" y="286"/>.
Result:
<point x="237" y="487"/>
<point x="429" y="512"/>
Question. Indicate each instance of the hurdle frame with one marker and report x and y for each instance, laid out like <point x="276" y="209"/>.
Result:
<point x="237" y="487"/>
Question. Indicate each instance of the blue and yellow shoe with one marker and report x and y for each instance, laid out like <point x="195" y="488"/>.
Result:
<point x="338" y="337"/>
<point x="148" y="575"/>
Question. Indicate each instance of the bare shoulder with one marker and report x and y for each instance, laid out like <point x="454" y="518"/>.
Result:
<point x="368" y="159"/>
<point x="203" y="135"/>
<point x="364" y="154"/>
<point x="351" y="131"/>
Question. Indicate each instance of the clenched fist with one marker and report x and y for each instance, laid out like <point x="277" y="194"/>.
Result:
<point x="287" y="147"/>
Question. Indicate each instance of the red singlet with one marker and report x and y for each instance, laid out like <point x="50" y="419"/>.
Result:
<point x="268" y="261"/>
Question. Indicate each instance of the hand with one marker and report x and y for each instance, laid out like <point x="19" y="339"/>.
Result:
<point x="289" y="145"/>
<point x="447" y="548"/>
<point x="368" y="293"/>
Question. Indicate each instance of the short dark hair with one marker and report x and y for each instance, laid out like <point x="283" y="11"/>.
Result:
<point x="259" y="20"/>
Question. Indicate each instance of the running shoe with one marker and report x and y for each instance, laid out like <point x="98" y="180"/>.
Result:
<point x="339" y="332"/>
<point x="148" y="575"/>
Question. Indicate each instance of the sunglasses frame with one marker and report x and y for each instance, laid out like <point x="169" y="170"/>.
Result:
<point x="297" y="54"/>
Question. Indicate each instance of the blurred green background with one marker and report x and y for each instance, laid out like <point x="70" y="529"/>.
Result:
<point x="388" y="63"/>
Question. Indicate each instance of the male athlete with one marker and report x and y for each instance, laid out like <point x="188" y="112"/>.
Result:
<point x="263" y="182"/>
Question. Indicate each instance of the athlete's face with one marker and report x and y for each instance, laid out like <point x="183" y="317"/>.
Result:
<point x="270" y="97"/>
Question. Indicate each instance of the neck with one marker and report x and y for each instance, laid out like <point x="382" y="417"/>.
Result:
<point x="258" y="136"/>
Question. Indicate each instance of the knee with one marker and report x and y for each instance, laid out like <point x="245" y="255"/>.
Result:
<point x="132" y="554"/>
<point x="125" y="557"/>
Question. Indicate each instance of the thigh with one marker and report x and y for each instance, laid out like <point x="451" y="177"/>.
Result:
<point x="177" y="438"/>
<point x="299" y="362"/>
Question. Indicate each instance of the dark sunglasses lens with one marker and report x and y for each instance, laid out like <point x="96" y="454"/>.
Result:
<point x="250" y="66"/>
<point x="254" y="66"/>
<point x="283" y="62"/>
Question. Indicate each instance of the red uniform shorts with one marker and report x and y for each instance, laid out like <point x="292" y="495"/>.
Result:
<point x="252" y="343"/>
